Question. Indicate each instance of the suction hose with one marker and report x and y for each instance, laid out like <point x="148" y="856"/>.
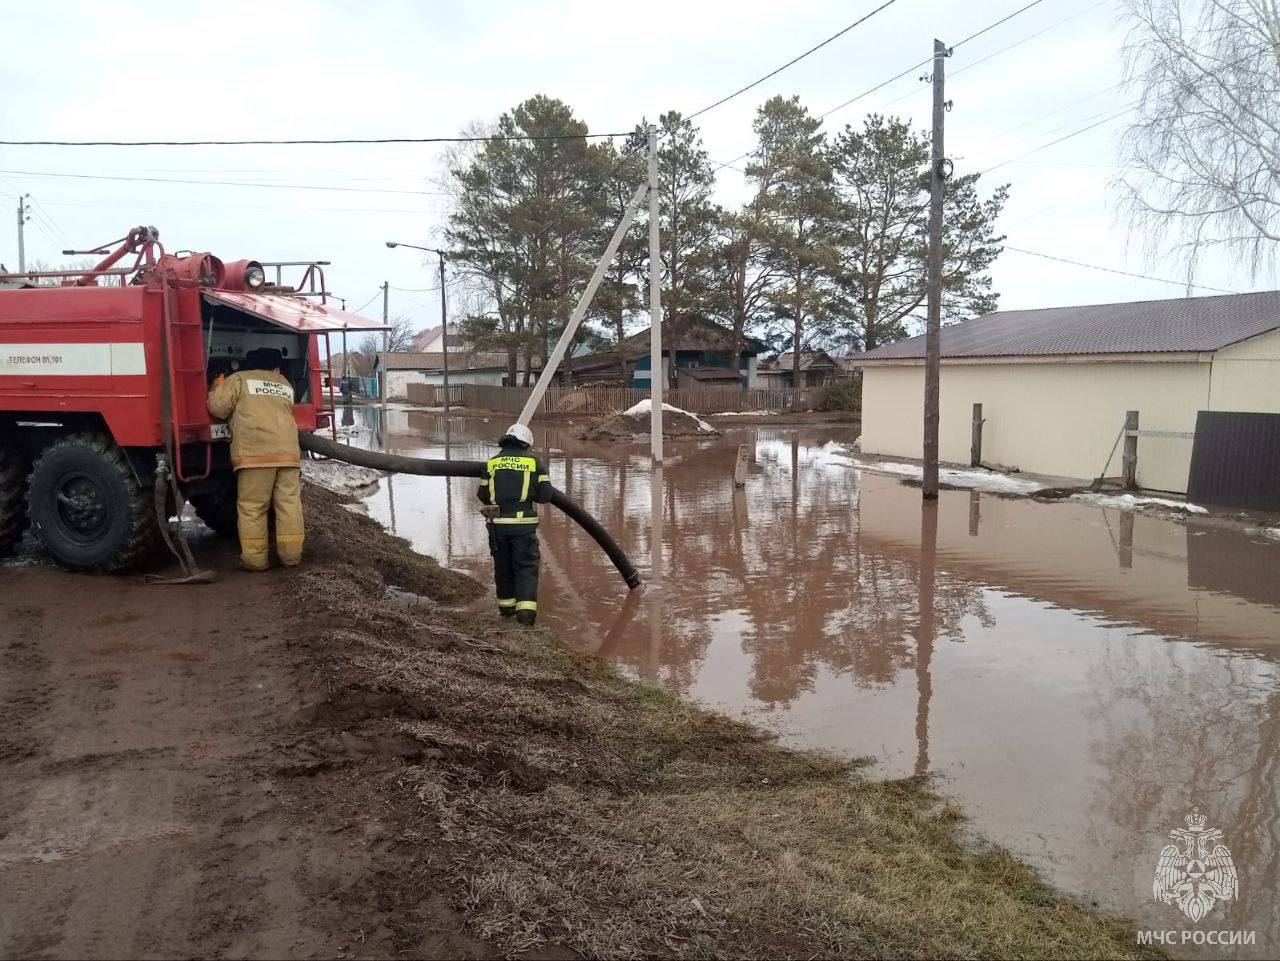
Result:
<point x="398" y="464"/>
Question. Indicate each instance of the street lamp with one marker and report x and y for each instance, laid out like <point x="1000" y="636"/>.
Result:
<point x="444" y="316"/>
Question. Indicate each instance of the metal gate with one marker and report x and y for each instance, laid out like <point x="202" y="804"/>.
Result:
<point x="1235" y="460"/>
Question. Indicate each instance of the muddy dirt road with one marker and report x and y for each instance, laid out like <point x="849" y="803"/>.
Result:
<point x="152" y="742"/>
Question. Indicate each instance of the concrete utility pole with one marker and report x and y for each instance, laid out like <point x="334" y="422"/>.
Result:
<point x="933" y="327"/>
<point x="386" y="340"/>
<point x="24" y="214"/>
<point x="655" y="304"/>
<point x="580" y="311"/>
<point x="444" y="335"/>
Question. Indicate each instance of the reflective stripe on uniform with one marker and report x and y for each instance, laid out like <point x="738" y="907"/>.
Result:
<point x="506" y="602"/>
<point x="524" y="487"/>
<point x="515" y="520"/>
<point x="544" y="477"/>
<point x="526" y="605"/>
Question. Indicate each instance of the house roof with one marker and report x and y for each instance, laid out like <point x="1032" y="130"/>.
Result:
<point x="425" y="337"/>
<point x="808" y="360"/>
<point x="1190" y="324"/>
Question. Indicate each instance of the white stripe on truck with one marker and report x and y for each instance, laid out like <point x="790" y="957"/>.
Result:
<point x="73" y="360"/>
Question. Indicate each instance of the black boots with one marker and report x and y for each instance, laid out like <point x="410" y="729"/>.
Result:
<point x="526" y="618"/>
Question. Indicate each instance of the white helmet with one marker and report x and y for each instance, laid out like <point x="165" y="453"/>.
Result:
<point x="521" y="433"/>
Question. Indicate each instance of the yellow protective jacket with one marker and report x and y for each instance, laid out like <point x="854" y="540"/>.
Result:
<point x="259" y="406"/>
<point x="517" y="481"/>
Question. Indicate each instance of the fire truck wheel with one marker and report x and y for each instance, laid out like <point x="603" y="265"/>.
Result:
<point x="87" y="507"/>
<point x="13" y="499"/>
<point x="218" y="510"/>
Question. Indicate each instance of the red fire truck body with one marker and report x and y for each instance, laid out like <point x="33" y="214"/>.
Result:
<point x="100" y="386"/>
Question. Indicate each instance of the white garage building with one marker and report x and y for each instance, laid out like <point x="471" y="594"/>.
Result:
<point x="1055" y="384"/>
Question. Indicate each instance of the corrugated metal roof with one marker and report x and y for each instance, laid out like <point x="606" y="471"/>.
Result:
<point x="1191" y="324"/>
<point x="808" y="359"/>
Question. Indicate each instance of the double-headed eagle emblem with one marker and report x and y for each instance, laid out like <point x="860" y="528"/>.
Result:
<point x="1196" y="872"/>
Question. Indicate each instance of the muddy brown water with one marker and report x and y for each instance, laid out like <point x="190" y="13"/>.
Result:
<point x="1076" y="678"/>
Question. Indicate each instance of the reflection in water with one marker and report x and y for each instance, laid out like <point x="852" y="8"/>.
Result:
<point x="1076" y="677"/>
<point x="924" y="636"/>
<point x="657" y="584"/>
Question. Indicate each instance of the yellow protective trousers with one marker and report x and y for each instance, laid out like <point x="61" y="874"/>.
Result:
<point x="258" y="490"/>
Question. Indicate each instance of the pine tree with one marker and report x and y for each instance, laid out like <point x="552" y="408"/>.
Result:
<point x="791" y="167"/>
<point x="882" y="179"/>
<point x="527" y="214"/>
<point x="689" y="227"/>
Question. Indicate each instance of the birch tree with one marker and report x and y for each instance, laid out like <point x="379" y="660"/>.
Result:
<point x="1204" y="149"/>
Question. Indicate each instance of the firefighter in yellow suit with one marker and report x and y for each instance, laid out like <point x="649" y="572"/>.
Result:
<point x="258" y="403"/>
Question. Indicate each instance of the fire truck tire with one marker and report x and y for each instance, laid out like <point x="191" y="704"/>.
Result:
<point x="13" y="499"/>
<point x="87" y="507"/>
<point x="218" y="510"/>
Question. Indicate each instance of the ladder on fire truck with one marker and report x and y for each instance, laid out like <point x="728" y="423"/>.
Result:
<point x="182" y="380"/>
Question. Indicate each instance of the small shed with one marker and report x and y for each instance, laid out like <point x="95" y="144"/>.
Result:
<point x="1055" y="384"/>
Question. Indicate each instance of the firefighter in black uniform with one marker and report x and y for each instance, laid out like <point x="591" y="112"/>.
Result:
<point x="515" y="483"/>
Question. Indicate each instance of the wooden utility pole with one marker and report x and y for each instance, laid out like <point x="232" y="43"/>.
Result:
<point x="655" y="305"/>
<point x="933" y="328"/>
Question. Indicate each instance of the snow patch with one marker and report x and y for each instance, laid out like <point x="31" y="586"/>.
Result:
<point x="1136" y="502"/>
<point x="646" y="407"/>
<point x="748" y="413"/>
<point x="336" y="476"/>
<point x="976" y="479"/>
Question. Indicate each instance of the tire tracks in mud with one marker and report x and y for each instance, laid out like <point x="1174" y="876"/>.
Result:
<point x="171" y="783"/>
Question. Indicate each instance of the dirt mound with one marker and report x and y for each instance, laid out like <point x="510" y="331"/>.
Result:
<point x="359" y="541"/>
<point x="634" y="423"/>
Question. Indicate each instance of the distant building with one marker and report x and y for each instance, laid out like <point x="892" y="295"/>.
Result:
<point x="1055" y="385"/>
<point x="704" y="355"/>
<point x="817" y="369"/>
<point x="431" y="340"/>
<point x="465" y="367"/>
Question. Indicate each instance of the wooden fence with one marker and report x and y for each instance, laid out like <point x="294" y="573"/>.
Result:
<point x="596" y="401"/>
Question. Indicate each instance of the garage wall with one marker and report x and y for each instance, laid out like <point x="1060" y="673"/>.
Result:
<point x="1246" y="376"/>
<point x="1059" y="419"/>
<point x="399" y="380"/>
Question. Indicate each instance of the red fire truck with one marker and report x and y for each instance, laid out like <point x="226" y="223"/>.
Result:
<point x="104" y="375"/>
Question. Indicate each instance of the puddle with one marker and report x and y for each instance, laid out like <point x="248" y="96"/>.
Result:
<point x="1077" y="676"/>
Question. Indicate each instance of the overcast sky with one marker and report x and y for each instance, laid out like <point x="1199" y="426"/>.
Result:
<point x="377" y="69"/>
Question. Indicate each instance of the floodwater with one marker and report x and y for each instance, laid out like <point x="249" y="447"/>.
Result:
<point x="1076" y="678"/>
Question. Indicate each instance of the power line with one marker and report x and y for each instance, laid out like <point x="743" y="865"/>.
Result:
<point x="1113" y="270"/>
<point x="960" y="43"/>
<point x="898" y="76"/>
<point x="1003" y="50"/>
<point x="367" y="302"/>
<point x="1058" y="140"/>
<point x="226" y="183"/>
<point x="794" y="60"/>
<point x="303" y="142"/>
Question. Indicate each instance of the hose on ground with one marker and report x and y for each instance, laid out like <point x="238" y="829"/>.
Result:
<point x="399" y="464"/>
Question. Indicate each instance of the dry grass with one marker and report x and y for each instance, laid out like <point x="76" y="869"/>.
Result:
<point x="579" y="810"/>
